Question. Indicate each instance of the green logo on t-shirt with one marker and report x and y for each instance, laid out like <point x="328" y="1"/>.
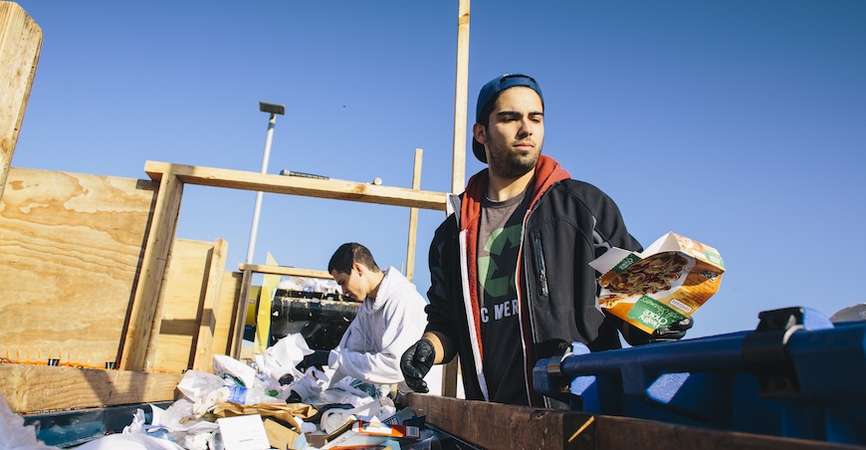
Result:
<point x="501" y="242"/>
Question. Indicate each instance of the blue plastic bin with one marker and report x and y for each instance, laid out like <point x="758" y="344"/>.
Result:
<point x="796" y="375"/>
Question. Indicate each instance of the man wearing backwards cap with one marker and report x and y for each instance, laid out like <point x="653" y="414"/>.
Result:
<point x="510" y="281"/>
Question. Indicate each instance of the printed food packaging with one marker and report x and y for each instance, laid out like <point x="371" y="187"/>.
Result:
<point x="664" y="284"/>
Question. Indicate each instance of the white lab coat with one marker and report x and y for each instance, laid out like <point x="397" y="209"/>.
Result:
<point x="384" y="328"/>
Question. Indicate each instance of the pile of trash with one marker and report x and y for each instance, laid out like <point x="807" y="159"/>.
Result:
<point x="265" y="404"/>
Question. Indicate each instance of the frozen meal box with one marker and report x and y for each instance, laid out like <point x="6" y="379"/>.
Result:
<point x="666" y="283"/>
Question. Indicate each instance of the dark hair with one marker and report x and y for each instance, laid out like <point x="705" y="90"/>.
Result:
<point x="348" y="253"/>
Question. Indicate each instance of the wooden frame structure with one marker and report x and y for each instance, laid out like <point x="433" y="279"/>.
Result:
<point x="137" y="353"/>
<point x="34" y="388"/>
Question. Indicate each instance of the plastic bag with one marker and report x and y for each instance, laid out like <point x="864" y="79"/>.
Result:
<point x="178" y="424"/>
<point x="130" y="441"/>
<point x="282" y="357"/>
<point x="242" y="373"/>
<point x="197" y="385"/>
<point x="200" y="388"/>
<point x="14" y="435"/>
<point x="311" y="385"/>
<point x="138" y="423"/>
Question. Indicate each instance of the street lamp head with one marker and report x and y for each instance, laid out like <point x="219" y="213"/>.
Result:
<point x="272" y="108"/>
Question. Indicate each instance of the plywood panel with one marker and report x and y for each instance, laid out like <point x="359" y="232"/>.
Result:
<point x="70" y="247"/>
<point x="183" y="294"/>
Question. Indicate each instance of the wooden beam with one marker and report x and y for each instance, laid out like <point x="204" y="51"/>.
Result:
<point x="288" y="271"/>
<point x="237" y="339"/>
<point x="496" y="425"/>
<point x="458" y="158"/>
<point x="20" y="45"/>
<point x="39" y="388"/>
<point x="207" y="323"/>
<point x="146" y="311"/>
<point x="279" y="184"/>
<point x="226" y="312"/>
<point x="413" y="217"/>
<point x="449" y="377"/>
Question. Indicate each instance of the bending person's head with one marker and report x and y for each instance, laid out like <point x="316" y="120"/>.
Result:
<point x="355" y="270"/>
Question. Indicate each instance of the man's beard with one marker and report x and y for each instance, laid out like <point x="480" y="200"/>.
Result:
<point x="512" y="165"/>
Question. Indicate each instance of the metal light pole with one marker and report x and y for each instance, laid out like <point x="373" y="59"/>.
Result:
<point x="273" y="110"/>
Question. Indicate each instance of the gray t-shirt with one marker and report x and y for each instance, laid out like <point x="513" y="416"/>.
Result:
<point x="499" y="232"/>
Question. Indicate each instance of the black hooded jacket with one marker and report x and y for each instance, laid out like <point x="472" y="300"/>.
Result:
<point x="569" y="223"/>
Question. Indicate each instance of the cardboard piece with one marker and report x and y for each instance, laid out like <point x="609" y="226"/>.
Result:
<point x="664" y="284"/>
<point x="243" y="433"/>
<point x="284" y="413"/>
<point x="280" y="437"/>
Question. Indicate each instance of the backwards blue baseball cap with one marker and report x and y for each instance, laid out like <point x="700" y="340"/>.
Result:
<point x="488" y="95"/>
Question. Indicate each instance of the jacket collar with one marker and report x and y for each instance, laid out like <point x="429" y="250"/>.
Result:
<point x="547" y="173"/>
<point x="389" y="285"/>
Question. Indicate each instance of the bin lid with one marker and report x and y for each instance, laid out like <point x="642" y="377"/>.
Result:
<point x="856" y="313"/>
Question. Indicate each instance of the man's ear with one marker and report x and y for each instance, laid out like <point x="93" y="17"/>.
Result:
<point x="362" y="269"/>
<point x="479" y="132"/>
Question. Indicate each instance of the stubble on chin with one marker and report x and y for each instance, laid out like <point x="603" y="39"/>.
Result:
<point x="513" y="166"/>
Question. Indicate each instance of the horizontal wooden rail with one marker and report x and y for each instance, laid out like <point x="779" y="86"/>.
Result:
<point x="309" y="187"/>
<point x="41" y="388"/>
<point x="290" y="271"/>
<point x="495" y="425"/>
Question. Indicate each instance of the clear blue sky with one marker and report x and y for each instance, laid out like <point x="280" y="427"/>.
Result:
<point x="741" y="124"/>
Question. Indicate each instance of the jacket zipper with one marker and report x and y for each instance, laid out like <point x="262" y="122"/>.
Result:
<point x="539" y="265"/>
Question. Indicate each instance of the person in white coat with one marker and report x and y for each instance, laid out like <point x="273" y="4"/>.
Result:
<point x="389" y="321"/>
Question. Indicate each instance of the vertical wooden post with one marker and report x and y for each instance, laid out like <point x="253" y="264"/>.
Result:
<point x="413" y="217"/>
<point x="146" y="313"/>
<point x="20" y="45"/>
<point x="204" y="350"/>
<point x="237" y="336"/>
<point x="458" y="160"/>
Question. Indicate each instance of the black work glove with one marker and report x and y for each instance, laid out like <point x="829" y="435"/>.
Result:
<point x="317" y="359"/>
<point x="672" y="332"/>
<point x="415" y="363"/>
